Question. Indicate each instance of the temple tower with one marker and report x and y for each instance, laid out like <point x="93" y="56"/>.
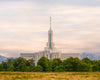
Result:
<point x="50" y="44"/>
<point x="50" y="37"/>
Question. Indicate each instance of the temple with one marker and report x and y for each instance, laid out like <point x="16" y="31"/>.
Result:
<point x="49" y="52"/>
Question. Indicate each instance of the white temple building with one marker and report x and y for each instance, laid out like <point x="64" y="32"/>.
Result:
<point x="49" y="52"/>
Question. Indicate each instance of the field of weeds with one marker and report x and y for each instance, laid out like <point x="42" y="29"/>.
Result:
<point x="50" y="76"/>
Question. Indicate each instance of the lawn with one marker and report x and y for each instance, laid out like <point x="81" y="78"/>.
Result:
<point x="50" y="76"/>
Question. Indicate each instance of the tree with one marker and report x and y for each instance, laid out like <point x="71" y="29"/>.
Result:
<point x="1" y="67"/>
<point x="27" y="69"/>
<point x="87" y="61"/>
<point x="56" y="62"/>
<point x="5" y="65"/>
<point x="59" y="68"/>
<point x="38" y="68"/>
<point x="30" y="63"/>
<point x="83" y="67"/>
<point x="75" y="64"/>
<point x="23" y="67"/>
<point x="98" y="63"/>
<point x="71" y="64"/>
<point x="11" y="68"/>
<point x="19" y="63"/>
<point x="95" y="68"/>
<point x="45" y="64"/>
<point x="10" y="61"/>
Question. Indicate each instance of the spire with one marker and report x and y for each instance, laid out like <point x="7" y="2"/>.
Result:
<point x="50" y="37"/>
<point x="50" y="44"/>
<point x="50" y="22"/>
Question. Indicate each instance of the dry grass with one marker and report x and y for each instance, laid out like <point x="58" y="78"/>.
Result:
<point x="50" y="76"/>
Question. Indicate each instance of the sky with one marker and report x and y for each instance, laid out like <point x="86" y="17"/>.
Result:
<point x="24" y="26"/>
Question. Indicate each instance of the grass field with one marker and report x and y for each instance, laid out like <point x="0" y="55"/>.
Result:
<point x="50" y="76"/>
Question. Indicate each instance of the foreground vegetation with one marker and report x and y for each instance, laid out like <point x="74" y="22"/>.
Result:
<point x="56" y="65"/>
<point x="50" y="76"/>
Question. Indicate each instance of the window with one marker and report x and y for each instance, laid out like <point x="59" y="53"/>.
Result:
<point x="37" y="56"/>
<point x="47" y="56"/>
<point x="55" y="56"/>
<point x="50" y="44"/>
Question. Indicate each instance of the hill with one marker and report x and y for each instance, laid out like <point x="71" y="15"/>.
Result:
<point x="92" y="56"/>
<point x="2" y="58"/>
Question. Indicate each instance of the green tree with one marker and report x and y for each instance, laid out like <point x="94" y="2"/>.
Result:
<point x="19" y="63"/>
<point x="27" y="69"/>
<point x="59" y="68"/>
<point x="11" y="68"/>
<point x="87" y="61"/>
<point x="56" y="62"/>
<point x="83" y="67"/>
<point x="38" y="68"/>
<point x="45" y="64"/>
<point x="71" y="64"/>
<point x="1" y="67"/>
<point x="23" y="67"/>
<point x="95" y="68"/>
<point x="5" y="65"/>
<point x="10" y="61"/>
<point x="98" y="63"/>
<point x="30" y="63"/>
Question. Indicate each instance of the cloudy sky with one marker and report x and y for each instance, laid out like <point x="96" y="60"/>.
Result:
<point x="24" y="26"/>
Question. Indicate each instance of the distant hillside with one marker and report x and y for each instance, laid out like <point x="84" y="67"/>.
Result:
<point x="91" y="56"/>
<point x="2" y="58"/>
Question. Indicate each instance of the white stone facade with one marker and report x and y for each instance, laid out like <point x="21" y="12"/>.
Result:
<point x="49" y="52"/>
<point x="37" y="56"/>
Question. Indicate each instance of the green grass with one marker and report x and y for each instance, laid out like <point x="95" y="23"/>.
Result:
<point x="49" y="76"/>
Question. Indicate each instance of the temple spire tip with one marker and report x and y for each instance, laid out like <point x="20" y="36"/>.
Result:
<point x="50" y="22"/>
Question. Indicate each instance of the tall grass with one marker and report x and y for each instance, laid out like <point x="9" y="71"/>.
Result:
<point x="50" y="76"/>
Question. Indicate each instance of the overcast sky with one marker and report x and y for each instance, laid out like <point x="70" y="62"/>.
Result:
<point x="24" y="26"/>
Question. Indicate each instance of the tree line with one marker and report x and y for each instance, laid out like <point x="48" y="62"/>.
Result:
<point x="56" y="65"/>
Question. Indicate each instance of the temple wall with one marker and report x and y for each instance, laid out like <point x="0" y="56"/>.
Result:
<point x="27" y="55"/>
<point x="51" y="56"/>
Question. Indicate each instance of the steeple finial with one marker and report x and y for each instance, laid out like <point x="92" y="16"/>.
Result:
<point x="50" y="22"/>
